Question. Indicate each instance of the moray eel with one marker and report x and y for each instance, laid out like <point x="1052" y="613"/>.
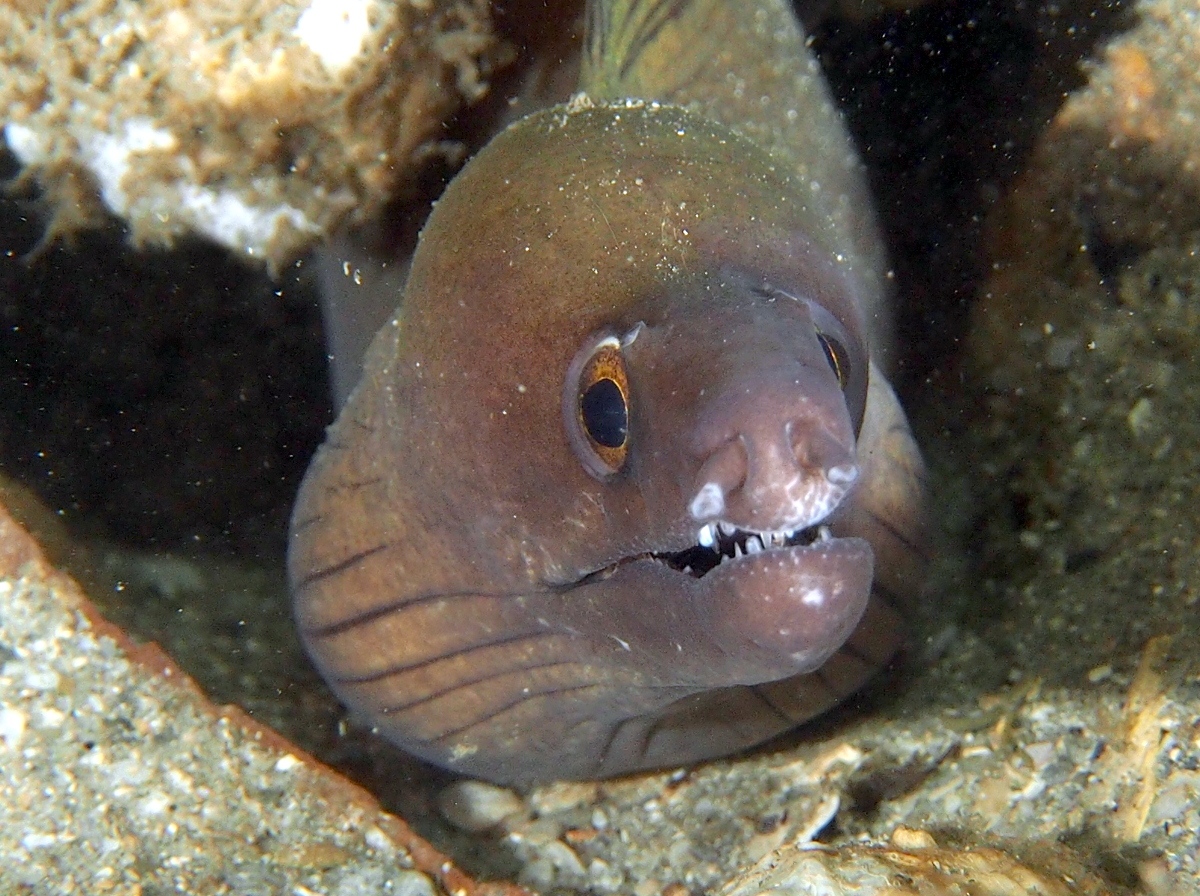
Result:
<point x="623" y="484"/>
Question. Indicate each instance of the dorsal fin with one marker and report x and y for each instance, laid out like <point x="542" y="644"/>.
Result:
<point x="649" y="49"/>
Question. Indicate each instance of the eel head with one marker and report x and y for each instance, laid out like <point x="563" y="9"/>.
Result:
<point x="583" y="514"/>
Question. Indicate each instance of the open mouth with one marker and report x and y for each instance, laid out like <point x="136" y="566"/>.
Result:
<point x="721" y="541"/>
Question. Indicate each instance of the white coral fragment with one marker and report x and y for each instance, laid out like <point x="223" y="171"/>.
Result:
<point x="261" y="125"/>
<point x="336" y="31"/>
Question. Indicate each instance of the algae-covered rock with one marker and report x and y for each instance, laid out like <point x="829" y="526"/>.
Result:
<point x="260" y="125"/>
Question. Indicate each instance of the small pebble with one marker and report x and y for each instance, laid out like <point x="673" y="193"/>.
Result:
<point x="12" y="727"/>
<point x="474" y="806"/>
<point x="910" y="838"/>
<point x="412" y="883"/>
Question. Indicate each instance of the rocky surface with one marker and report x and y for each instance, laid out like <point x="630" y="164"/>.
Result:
<point x="260" y="126"/>
<point x="118" y="776"/>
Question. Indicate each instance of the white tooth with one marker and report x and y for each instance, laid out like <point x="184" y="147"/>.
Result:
<point x="737" y="550"/>
<point x="726" y="528"/>
<point x="707" y="536"/>
<point x="688" y="570"/>
<point x="824" y="534"/>
<point x="753" y="545"/>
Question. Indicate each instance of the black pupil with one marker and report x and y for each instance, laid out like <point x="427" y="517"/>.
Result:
<point x="603" y="410"/>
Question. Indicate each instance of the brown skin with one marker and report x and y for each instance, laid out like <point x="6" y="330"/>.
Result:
<point x="465" y="579"/>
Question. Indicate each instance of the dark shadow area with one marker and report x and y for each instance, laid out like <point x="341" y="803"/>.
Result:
<point x="945" y="102"/>
<point x="167" y="400"/>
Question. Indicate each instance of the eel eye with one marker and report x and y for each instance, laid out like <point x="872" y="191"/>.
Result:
<point x="837" y="356"/>
<point x="598" y="413"/>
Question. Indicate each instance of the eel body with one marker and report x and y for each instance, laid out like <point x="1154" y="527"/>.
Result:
<point x="623" y="484"/>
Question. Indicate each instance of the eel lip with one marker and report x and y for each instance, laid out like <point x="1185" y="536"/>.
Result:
<point x="743" y="619"/>
<point x="795" y="604"/>
<point x="789" y="599"/>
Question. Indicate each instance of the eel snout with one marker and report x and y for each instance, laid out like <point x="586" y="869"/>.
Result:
<point x="778" y="458"/>
<point x="777" y="449"/>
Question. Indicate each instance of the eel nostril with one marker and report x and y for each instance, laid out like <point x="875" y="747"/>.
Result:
<point x="722" y="473"/>
<point x="708" y="503"/>
<point x="775" y="473"/>
<point x="818" y="450"/>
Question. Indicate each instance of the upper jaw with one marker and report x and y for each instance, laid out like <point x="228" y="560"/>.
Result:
<point x="752" y="541"/>
<point x="720" y="541"/>
<point x="774" y="514"/>
<point x="793" y="514"/>
<point x="797" y="517"/>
